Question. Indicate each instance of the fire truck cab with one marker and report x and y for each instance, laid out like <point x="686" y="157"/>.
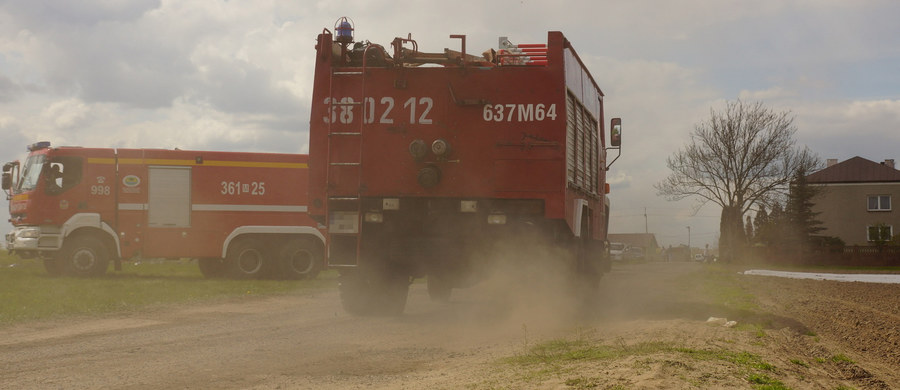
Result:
<point x="242" y="215"/>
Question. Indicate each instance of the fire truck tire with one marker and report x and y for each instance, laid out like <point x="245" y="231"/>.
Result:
<point x="300" y="258"/>
<point x="83" y="256"/>
<point x="247" y="259"/>
<point x="368" y="294"/>
<point x="439" y="289"/>
<point x="212" y="267"/>
<point x="587" y="277"/>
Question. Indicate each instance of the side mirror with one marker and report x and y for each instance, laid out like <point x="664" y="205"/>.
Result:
<point x="615" y="134"/>
<point x="7" y="181"/>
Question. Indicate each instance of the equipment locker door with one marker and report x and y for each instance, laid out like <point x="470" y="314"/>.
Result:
<point x="168" y="212"/>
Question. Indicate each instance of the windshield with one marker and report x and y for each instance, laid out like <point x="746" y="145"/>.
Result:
<point x="616" y="246"/>
<point x="31" y="172"/>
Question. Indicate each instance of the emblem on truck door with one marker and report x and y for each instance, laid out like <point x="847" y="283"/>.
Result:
<point x="131" y="181"/>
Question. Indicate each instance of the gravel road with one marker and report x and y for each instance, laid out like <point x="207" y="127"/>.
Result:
<point x="307" y="341"/>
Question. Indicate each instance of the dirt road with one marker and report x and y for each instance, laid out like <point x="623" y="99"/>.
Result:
<point x="805" y="334"/>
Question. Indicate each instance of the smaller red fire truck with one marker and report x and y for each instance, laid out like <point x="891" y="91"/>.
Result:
<point x="243" y="215"/>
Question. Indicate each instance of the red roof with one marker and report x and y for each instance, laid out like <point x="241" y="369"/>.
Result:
<point x="855" y="170"/>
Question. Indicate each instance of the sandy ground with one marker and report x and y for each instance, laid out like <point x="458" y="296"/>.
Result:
<point x="307" y="341"/>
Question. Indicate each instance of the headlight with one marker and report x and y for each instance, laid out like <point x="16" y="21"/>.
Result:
<point x="29" y="233"/>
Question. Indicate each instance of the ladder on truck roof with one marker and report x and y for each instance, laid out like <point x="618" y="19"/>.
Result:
<point x="348" y="202"/>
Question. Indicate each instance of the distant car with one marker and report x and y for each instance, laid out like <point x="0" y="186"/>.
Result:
<point x="699" y="257"/>
<point x="617" y="251"/>
<point x="634" y="253"/>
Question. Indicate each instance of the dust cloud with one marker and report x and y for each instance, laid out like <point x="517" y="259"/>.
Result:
<point x="533" y="293"/>
<point x="525" y="289"/>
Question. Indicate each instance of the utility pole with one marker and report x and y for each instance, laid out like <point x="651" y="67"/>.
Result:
<point x="646" y="231"/>
<point x="646" y="235"/>
<point x="689" y="244"/>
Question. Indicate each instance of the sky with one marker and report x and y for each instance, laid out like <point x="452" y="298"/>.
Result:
<point x="237" y="75"/>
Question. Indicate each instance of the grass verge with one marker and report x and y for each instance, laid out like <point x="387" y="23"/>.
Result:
<point x="27" y="293"/>
<point x="562" y="358"/>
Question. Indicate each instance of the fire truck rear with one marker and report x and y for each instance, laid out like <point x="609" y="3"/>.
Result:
<point x="243" y="215"/>
<point x="421" y="163"/>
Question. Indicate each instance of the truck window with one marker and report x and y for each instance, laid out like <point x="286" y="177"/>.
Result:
<point x="31" y="172"/>
<point x="62" y="173"/>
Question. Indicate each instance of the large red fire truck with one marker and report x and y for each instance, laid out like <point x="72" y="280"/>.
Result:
<point x="420" y="163"/>
<point x="243" y="215"/>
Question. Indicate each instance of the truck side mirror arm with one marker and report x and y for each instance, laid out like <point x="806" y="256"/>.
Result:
<point x="615" y="138"/>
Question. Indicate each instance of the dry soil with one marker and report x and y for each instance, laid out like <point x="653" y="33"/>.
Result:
<point x="651" y="318"/>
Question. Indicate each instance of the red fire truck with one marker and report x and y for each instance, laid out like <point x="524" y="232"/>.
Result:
<point x="243" y="215"/>
<point x="422" y="162"/>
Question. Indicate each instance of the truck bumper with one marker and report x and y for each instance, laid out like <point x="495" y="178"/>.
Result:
<point x="32" y="239"/>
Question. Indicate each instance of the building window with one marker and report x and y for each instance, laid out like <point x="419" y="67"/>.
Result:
<point x="880" y="233"/>
<point x="879" y="203"/>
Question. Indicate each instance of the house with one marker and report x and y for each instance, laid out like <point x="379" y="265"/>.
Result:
<point x="647" y="241"/>
<point x="855" y="200"/>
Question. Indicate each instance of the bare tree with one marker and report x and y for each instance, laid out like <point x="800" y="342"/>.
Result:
<point x="743" y="155"/>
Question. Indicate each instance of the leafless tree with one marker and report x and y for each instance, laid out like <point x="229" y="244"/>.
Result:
<point x="742" y="155"/>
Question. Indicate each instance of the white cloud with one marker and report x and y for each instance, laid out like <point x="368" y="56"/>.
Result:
<point x="774" y="93"/>
<point x="238" y="75"/>
<point x="67" y="114"/>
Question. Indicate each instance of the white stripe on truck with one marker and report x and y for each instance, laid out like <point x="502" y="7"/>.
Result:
<point x="224" y="207"/>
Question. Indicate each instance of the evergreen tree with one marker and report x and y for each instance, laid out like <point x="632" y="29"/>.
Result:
<point x="762" y="219"/>
<point x="771" y="232"/>
<point x="801" y="217"/>
<point x="748" y="227"/>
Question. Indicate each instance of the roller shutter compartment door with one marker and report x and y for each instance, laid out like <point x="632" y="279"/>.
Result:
<point x="169" y="197"/>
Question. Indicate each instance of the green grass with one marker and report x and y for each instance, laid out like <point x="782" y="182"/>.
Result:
<point x="27" y="293"/>
<point x="841" y="358"/>
<point x="763" y="382"/>
<point x="555" y="356"/>
<point x="719" y="283"/>
<point x="800" y="363"/>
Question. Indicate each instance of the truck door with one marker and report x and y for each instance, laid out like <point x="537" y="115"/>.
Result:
<point x="168" y="212"/>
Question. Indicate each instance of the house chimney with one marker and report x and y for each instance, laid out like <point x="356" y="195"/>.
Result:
<point x="889" y="162"/>
<point x="829" y="162"/>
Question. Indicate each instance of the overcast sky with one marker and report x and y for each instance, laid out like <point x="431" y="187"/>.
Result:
<point x="237" y="75"/>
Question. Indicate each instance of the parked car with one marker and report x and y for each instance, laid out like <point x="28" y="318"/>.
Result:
<point x="634" y="253"/>
<point x="699" y="257"/>
<point x="617" y="251"/>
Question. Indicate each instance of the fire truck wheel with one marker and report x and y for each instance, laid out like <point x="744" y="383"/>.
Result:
<point x="367" y="294"/>
<point x="83" y="256"/>
<point x="439" y="289"/>
<point x="587" y="277"/>
<point x="212" y="267"/>
<point x="300" y="259"/>
<point x="396" y="291"/>
<point x="247" y="259"/>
